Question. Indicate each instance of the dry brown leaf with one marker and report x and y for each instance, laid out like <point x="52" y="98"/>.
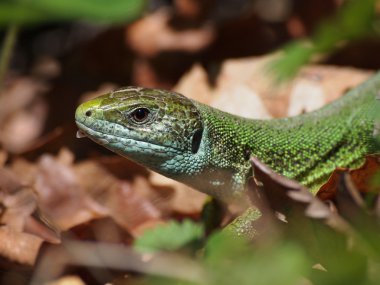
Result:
<point x="24" y="170"/>
<point x="121" y="167"/>
<point x="94" y="179"/>
<point x="19" y="207"/>
<point x="3" y="157"/>
<point x="160" y="196"/>
<point x="9" y="182"/>
<point x="22" y="113"/>
<point x="23" y="127"/>
<point x="71" y="194"/>
<point x="46" y="67"/>
<point x="65" y="156"/>
<point x="19" y="247"/>
<point x="127" y="204"/>
<point x="129" y="209"/>
<point x="290" y="198"/>
<point x="283" y="194"/>
<point x="67" y="280"/>
<point x="18" y="95"/>
<point x="305" y="96"/>
<point x="152" y="34"/>
<point x="360" y="177"/>
<point x="248" y="102"/>
<point x="195" y="85"/>
<point x="314" y="87"/>
<point x="60" y="194"/>
<point x="17" y="201"/>
<point x="185" y="200"/>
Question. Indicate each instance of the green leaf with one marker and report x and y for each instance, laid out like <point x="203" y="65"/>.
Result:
<point x="355" y="20"/>
<point x="287" y="65"/>
<point x="172" y="236"/>
<point x="113" y="11"/>
<point x="248" y="265"/>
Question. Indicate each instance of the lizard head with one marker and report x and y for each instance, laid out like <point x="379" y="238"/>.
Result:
<point x="161" y="130"/>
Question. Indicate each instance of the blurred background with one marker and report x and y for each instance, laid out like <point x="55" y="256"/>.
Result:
<point x="255" y="58"/>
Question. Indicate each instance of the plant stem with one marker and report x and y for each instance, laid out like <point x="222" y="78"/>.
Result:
<point x="6" y="51"/>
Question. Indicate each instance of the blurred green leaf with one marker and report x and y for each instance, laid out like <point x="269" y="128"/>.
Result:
<point x="356" y="19"/>
<point x="172" y="236"/>
<point x="248" y="265"/>
<point x="34" y="11"/>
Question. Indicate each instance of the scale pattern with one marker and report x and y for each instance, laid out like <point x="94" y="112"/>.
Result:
<point x="306" y="147"/>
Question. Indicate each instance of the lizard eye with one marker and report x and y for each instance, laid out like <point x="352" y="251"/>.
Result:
<point x="140" y="115"/>
<point x="197" y="137"/>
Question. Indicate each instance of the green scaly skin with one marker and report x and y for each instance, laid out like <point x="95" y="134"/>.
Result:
<point x="209" y="149"/>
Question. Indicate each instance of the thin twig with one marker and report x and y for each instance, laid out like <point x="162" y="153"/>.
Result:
<point x="6" y="51"/>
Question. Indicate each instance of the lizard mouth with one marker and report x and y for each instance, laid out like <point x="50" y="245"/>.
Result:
<point x="112" y="140"/>
<point x="80" y="134"/>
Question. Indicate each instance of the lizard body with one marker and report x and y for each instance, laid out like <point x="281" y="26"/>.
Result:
<point x="209" y="149"/>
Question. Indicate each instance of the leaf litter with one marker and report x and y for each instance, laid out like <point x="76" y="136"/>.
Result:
<point x="52" y="200"/>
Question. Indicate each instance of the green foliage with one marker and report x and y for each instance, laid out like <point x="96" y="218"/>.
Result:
<point x="227" y="260"/>
<point x="376" y="116"/>
<point x="246" y="264"/>
<point x="318" y="244"/>
<point x="230" y="260"/>
<point x="172" y="236"/>
<point x="34" y="11"/>
<point x="357" y="19"/>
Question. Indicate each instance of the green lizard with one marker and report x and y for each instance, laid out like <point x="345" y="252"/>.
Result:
<point x="209" y="149"/>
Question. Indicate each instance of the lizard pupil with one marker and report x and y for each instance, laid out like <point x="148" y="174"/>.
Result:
<point x="197" y="137"/>
<point x="140" y="114"/>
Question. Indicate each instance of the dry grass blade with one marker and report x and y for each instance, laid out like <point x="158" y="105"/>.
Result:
<point x="115" y="256"/>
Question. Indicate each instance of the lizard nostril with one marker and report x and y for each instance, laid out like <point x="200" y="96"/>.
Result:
<point x="88" y="113"/>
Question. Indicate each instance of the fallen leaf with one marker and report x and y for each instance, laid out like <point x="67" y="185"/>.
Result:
<point x="67" y="280"/>
<point x="129" y="209"/>
<point x="60" y="194"/>
<point x="361" y="177"/>
<point x="195" y="85"/>
<point x="19" y="247"/>
<point x="247" y="102"/>
<point x="152" y="34"/>
<point x="22" y="113"/>
<point x="314" y="87"/>
<point x="299" y="103"/>
<point x="284" y="194"/>
<point x="291" y="199"/>
<point x="19" y="206"/>
<point x="185" y="200"/>
<point x="125" y="203"/>
<point x="46" y="67"/>
<point x="3" y="157"/>
<point x="121" y="167"/>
